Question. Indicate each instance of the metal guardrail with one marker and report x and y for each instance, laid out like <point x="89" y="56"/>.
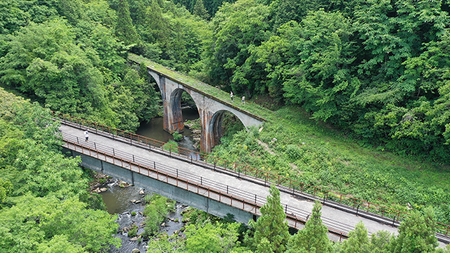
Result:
<point x="226" y="194"/>
<point x="344" y="202"/>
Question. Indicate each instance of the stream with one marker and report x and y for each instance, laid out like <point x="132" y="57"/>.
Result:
<point x="121" y="200"/>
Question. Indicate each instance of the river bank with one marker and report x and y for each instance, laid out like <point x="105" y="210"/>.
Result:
<point x="128" y="202"/>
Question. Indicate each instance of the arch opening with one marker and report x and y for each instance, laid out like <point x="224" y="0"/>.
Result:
<point x="224" y="124"/>
<point x="183" y="108"/>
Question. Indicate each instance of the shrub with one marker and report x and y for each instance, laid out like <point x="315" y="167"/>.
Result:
<point x="293" y="152"/>
<point x="133" y="213"/>
<point x="171" y="146"/>
<point x="177" y="136"/>
<point x="156" y="210"/>
<point x="133" y="231"/>
<point x="194" y="124"/>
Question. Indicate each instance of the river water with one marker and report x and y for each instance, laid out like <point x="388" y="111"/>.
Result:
<point x="118" y="200"/>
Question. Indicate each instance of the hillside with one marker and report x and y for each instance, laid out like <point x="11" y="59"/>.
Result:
<point x="294" y="146"/>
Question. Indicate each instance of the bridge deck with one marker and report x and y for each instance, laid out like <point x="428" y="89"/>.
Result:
<point x="333" y="218"/>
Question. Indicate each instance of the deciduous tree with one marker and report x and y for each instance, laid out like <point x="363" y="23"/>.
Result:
<point x="210" y="237"/>
<point x="358" y="240"/>
<point x="238" y="27"/>
<point x="34" y="222"/>
<point x="199" y="10"/>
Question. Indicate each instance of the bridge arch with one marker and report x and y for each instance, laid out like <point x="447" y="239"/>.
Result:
<point x="215" y="125"/>
<point x="174" y="103"/>
<point x="156" y="77"/>
<point x="210" y="109"/>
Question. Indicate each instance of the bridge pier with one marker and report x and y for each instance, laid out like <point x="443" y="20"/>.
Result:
<point x="207" y="141"/>
<point x="173" y="115"/>
<point x="211" y="130"/>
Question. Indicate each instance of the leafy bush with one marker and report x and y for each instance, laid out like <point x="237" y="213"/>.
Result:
<point x="294" y="152"/>
<point x="133" y="231"/>
<point x="194" y="124"/>
<point x="156" y="212"/>
<point x="171" y="146"/>
<point x="177" y="136"/>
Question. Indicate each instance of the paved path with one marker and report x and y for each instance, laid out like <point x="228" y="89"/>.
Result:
<point x="343" y="220"/>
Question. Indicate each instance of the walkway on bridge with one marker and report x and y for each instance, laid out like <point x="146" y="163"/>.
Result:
<point x="334" y="218"/>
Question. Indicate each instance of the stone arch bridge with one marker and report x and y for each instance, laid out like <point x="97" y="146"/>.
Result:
<point x="210" y="108"/>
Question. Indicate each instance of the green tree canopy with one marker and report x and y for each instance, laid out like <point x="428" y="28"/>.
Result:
<point x="210" y="237"/>
<point x="34" y="223"/>
<point x="358" y="240"/>
<point x="417" y="233"/>
<point x="125" y="30"/>
<point x="41" y="190"/>
<point x="199" y="10"/>
<point x="238" y="27"/>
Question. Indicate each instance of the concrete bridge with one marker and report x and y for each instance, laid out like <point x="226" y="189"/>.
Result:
<point x="211" y="107"/>
<point x="208" y="187"/>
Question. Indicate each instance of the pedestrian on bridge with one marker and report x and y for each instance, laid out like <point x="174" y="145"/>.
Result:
<point x="86" y="134"/>
<point x="243" y="100"/>
<point x="231" y="96"/>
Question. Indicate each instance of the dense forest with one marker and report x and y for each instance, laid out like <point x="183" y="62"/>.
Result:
<point x="376" y="71"/>
<point x="45" y="202"/>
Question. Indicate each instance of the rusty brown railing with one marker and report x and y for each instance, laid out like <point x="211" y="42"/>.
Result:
<point x="296" y="187"/>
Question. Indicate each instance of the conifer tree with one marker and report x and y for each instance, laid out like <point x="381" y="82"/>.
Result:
<point x="416" y="234"/>
<point x="379" y="241"/>
<point x="200" y="10"/>
<point x="358" y="240"/>
<point x="271" y="229"/>
<point x="313" y="237"/>
<point x="125" y="30"/>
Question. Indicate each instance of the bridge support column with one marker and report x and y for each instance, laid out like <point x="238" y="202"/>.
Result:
<point x="207" y="138"/>
<point x="173" y="115"/>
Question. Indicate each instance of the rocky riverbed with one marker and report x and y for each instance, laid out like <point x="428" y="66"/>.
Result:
<point x="196" y="131"/>
<point x="128" y="202"/>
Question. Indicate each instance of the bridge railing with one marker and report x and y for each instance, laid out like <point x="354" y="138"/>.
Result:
<point x="358" y="206"/>
<point x="229" y="195"/>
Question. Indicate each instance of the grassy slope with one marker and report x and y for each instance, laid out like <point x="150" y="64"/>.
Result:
<point x="318" y="155"/>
